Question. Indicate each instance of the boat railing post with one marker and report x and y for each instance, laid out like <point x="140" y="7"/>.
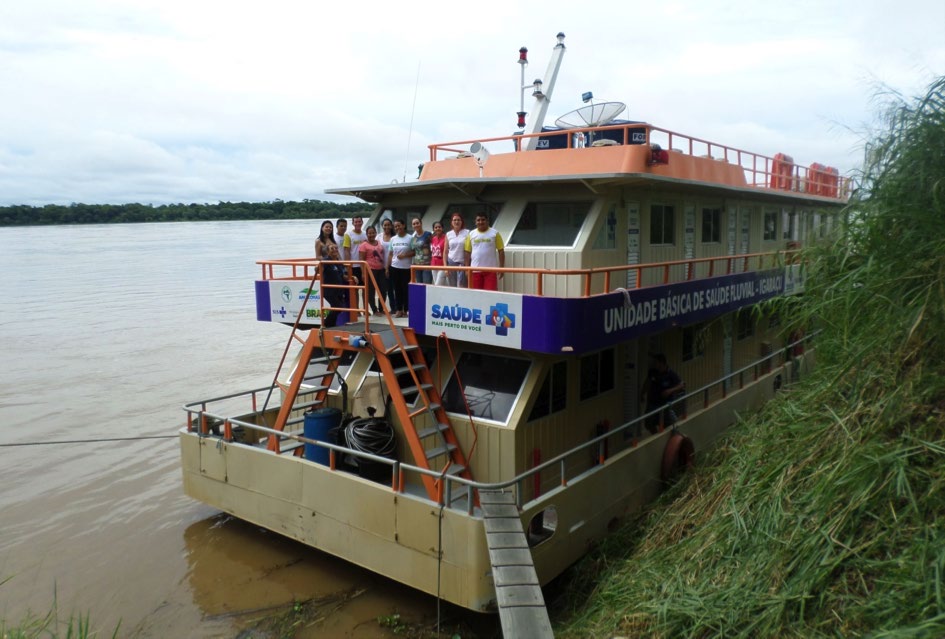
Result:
<point x="470" y="501"/>
<point x="394" y="474"/>
<point x="448" y="488"/>
<point x="564" y="473"/>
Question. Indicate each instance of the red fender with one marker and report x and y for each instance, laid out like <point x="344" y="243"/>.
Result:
<point x="679" y="454"/>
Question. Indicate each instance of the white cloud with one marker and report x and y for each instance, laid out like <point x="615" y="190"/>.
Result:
<point x="170" y="101"/>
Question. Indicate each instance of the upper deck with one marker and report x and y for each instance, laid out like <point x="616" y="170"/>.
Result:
<point x="611" y="233"/>
<point x="625" y="153"/>
<point x="687" y="291"/>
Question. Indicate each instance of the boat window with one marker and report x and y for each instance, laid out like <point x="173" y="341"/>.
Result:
<point x="607" y="237"/>
<point x="399" y="213"/>
<point x="662" y="224"/>
<point x="693" y="341"/>
<point x="789" y="224"/>
<point x="745" y="323"/>
<point x="597" y="373"/>
<point x="470" y="211"/>
<point x="771" y="226"/>
<point x="553" y="395"/>
<point x="711" y="225"/>
<point x="550" y="223"/>
<point x="492" y="384"/>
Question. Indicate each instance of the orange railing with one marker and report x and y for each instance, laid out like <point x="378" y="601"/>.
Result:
<point x="761" y="171"/>
<point x="665" y="272"/>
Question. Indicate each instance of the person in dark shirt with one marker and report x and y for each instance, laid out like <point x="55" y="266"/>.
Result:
<point x="335" y="274"/>
<point x="660" y="389"/>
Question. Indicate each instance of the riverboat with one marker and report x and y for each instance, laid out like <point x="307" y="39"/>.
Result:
<point x="392" y="442"/>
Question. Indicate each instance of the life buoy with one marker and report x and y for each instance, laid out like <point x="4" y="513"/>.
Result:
<point x="679" y="455"/>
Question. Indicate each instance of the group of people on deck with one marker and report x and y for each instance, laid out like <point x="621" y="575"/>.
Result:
<point x="391" y="253"/>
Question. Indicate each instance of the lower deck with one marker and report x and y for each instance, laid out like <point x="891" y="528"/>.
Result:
<point x="573" y="473"/>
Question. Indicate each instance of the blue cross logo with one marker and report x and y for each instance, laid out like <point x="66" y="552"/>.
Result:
<point x="500" y="317"/>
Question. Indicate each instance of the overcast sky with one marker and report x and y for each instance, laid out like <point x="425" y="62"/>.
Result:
<point x="160" y="101"/>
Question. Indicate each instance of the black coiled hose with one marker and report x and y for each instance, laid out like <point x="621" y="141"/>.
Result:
<point x="372" y="435"/>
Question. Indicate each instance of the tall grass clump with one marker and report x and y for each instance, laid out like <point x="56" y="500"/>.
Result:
<point x="823" y="515"/>
<point x="50" y="625"/>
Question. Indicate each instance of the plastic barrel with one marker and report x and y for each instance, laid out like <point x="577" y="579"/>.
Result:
<point x="318" y="425"/>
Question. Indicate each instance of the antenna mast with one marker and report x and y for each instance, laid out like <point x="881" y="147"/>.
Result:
<point x="542" y="98"/>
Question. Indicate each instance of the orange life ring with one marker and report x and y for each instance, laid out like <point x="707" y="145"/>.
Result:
<point x="679" y="454"/>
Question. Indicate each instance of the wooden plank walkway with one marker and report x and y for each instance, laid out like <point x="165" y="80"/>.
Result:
<point x="521" y="604"/>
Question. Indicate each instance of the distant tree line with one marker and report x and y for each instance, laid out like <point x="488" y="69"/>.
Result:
<point x="22" y="215"/>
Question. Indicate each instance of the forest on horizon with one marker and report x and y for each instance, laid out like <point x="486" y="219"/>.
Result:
<point x="54" y="214"/>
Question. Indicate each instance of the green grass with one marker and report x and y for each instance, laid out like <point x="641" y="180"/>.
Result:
<point x="824" y="514"/>
<point x="50" y="626"/>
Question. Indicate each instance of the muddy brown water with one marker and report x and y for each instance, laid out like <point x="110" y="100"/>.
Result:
<point x="107" y="330"/>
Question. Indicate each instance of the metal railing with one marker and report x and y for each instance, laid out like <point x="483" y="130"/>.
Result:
<point x="198" y="413"/>
<point x="761" y="171"/>
<point x="670" y="272"/>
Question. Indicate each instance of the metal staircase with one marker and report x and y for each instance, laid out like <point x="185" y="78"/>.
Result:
<point x="427" y="428"/>
<point x="315" y="386"/>
<point x="414" y="397"/>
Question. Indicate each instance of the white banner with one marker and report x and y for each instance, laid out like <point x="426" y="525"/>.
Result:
<point x="286" y="298"/>
<point x="490" y="317"/>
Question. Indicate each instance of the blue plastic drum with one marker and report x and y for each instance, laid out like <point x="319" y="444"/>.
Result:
<point x="318" y="425"/>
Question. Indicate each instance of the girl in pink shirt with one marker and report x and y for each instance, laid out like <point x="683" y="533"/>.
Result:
<point x="372" y="252"/>
<point x="438" y="253"/>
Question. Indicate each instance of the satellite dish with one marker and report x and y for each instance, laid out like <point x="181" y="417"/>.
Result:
<point x="591" y="115"/>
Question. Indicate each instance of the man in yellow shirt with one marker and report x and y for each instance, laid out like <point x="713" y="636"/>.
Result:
<point x="484" y="248"/>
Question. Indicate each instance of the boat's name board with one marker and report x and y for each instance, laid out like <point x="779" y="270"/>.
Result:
<point x="675" y="304"/>
<point x="579" y="325"/>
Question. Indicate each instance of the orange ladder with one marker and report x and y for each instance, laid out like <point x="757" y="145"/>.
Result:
<point x="430" y="435"/>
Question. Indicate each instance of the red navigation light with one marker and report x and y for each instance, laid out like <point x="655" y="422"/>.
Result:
<point x="658" y="155"/>
<point x="521" y="118"/>
<point x="523" y="56"/>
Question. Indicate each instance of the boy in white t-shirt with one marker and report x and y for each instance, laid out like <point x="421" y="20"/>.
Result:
<point x="350" y="243"/>
<point x="484" y="248"/>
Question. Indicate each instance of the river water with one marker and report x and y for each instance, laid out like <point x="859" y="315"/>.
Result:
<point x="105" y="332"/>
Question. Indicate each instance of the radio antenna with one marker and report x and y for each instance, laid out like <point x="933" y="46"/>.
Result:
<point x="413" y="110"/>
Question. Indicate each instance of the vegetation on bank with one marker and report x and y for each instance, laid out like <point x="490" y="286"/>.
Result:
<point x="22" y="215"/>
<point x="824" y="514"/>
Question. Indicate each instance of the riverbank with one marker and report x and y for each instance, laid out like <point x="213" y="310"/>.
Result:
<point x="824" y="514"/>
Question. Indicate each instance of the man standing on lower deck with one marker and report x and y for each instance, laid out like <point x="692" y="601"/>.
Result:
<point x="484" y="248"/>
<point x="661" y="388"/>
